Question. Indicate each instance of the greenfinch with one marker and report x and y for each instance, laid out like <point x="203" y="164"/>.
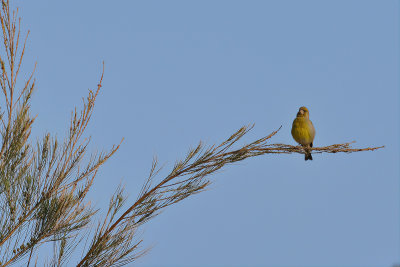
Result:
<point x="303" y="131"/>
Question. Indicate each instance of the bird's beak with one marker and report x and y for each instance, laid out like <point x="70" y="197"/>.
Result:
<point x="301" y="112"/>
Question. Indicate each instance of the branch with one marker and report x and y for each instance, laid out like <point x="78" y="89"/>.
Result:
<point x="187" y="177"/>
<point x="289" y="149"/>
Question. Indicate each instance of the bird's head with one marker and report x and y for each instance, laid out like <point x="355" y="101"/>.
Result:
<point x="303" y="112"/>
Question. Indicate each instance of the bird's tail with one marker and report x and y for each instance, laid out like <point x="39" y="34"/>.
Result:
<point x="307" y="153"/>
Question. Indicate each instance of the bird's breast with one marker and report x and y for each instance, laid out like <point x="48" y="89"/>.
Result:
<point x="303" y="131"/>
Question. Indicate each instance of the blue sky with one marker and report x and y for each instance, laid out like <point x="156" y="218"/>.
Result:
<point x="182" y="71"/>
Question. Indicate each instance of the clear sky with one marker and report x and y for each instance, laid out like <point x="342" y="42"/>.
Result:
<point x="182" y="71"/>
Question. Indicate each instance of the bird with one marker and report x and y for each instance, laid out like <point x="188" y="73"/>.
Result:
<point x="303" y="131"/>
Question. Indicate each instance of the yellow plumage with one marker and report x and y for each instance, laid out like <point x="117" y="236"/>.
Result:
<point x="303" y="131"/>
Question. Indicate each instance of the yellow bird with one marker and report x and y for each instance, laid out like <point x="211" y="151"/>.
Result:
<point x="303" y="131"/>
